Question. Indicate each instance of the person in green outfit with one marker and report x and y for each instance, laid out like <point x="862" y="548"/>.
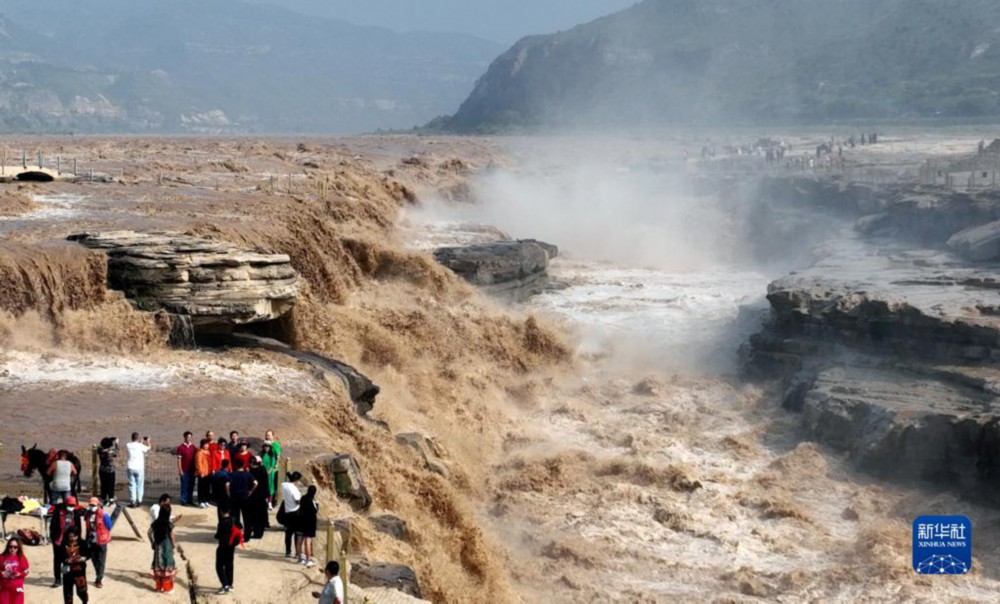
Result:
<point x="270" y="457"/>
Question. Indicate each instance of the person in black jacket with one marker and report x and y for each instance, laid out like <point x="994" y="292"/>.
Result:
<point x="258" y="501"/>
<point x="241" y="486"/>
<point x="220" y="487"/>
<point x="305" y="529"/>
<point x="229" y="536"/>
<point x="66" y="516"/>
<point x="74" y="571"/>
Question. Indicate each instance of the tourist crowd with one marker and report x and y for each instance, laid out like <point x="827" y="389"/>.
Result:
<point x="242" y="484"/>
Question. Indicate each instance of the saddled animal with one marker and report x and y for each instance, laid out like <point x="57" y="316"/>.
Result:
<point x="36" y="459"/>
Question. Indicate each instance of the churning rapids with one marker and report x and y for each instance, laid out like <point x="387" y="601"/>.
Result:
<point x="655" y="474"/>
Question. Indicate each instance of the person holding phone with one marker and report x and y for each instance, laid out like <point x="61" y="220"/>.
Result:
<point x="136" y="468"/>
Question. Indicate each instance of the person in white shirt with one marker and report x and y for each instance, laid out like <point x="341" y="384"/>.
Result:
<point x="290" y="496"/>
<point x="333" y="591"/>
<point x="136" y="468"/>
<point x="62" y="472"/>
<point x="154" y="510"/>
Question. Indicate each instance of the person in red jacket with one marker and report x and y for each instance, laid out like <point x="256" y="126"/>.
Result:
<point x="98" y="536"/>
<point x="243" y="453"/>
<point x="13" y="570"/>
<point x="214" y="457"/>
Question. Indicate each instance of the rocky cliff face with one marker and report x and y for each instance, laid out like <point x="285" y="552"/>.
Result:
<point x="889" y="345"/>
<point x="211" y="282"/>
<point x="670" y="61"/>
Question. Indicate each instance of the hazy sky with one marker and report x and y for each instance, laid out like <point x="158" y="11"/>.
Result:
<point x="504" y="21"/>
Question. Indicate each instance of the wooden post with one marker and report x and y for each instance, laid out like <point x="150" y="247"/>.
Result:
<point x="74" y="167"/>
<point x="94" y="464"/>
<point x="59" y="164"/>
<point x="131" y="522"/>
<point x="340" y="556"/>
<point x="331" y="532"/>
<point x="344" y="575"/>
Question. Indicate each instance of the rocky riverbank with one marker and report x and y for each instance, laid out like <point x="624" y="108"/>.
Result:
<point x="888" y="344"/>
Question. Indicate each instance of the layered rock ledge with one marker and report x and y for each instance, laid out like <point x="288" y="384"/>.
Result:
<point x="889" y="344"/>
<point x="212" y="282"/>
<point x="513" y="270"/>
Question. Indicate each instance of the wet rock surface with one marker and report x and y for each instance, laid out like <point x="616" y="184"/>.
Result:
<point x="391" y="525"/>
<point x="978" y="243"/>
<point x="212" y="282"/>
<point x="359" y="387"/>
<point x="513" y="270"/>
<point x="343" y="474"/>
<point x="889" y="344"/>
<point x="367" y="573"/>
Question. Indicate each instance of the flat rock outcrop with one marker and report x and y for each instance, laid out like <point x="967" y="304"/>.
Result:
<point x="906" y="422"/>
<point x="512" y="270"/>
<point x="889" y="344"/>
<point x="212" y="282"/>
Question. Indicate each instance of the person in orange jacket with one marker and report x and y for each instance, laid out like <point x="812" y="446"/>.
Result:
<point x="203" y="471"/>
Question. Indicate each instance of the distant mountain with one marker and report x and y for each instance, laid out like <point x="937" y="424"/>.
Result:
<point x="725" y="61"/>
<point x="220" y="66"/>
<point x="505" y="21"/>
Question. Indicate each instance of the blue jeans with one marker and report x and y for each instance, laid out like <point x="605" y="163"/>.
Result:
<point x="136" y="484"/>
<point x="58" y="496"/>
<point x="187" y="488"/>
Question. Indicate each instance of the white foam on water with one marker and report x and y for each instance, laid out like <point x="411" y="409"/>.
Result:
<point x="59" y="206"/>
<point x="680" y="316"/>
<point x="25" y="369"/>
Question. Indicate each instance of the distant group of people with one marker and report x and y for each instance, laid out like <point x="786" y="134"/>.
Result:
<point x="242" y="484"/>
<point x="778" y="152"/>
